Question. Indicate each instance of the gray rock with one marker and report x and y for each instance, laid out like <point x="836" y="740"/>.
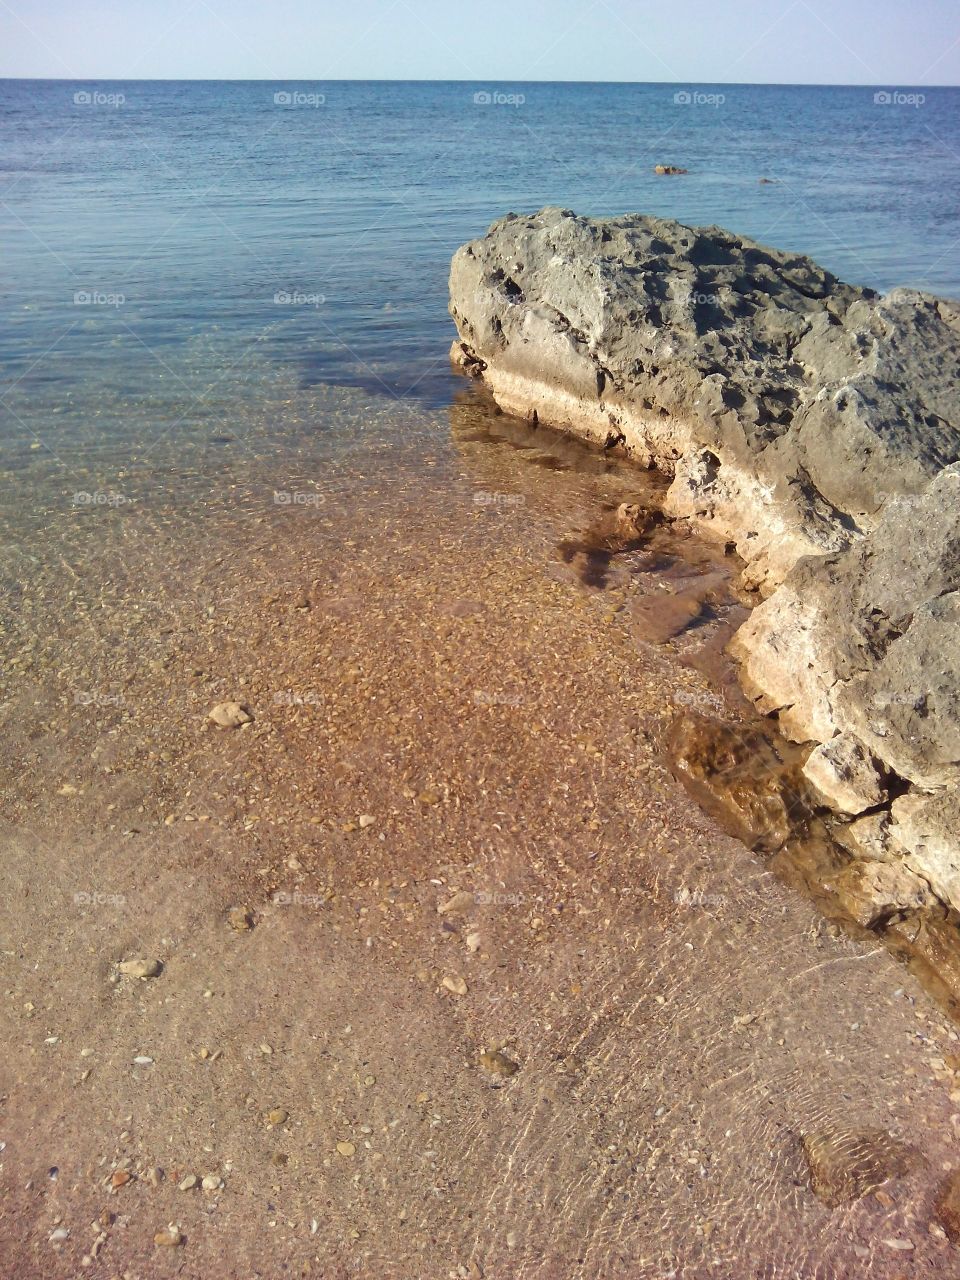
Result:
<point x="866" y="644"/>
<point x="788" y="406"/>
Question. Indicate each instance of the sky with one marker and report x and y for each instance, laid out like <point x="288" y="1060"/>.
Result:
<point x="884" y="43"/>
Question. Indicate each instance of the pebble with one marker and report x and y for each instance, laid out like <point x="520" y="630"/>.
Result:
<point x="473" y="941"/>
<point x="120" y="1178"/>
<point x="240" y="918"/>
<point x="59" y="1235"/>
<point x="188" y="1183"/>
<point x="154" y="1176"/>
<point x="455" y="984"/>
<point x="366" y="820"/>
<point x="142" y="1061"/>
<point x="277" y="1116"/>
<point x="346" y="1148"/>
<point x="137" y="967"/>
<point x="212" y="1182"/>
<point x="459" y="904"/>
<point x="498" y="1064"/>
<point x="229" y="715"/>
<point x="169" y="1237"/>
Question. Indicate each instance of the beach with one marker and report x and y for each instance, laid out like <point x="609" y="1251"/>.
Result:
<point x="355" y="917"/>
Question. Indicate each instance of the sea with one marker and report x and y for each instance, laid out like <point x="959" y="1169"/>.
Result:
<point x="169" y="246"/>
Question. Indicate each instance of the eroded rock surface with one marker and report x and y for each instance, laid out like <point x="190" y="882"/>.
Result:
<point x="814" y="424"/>
<point x="787" y="405"/>
<point x="860" y="651"/>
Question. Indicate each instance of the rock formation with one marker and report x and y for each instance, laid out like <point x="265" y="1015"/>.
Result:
<point x="812" y="424"/>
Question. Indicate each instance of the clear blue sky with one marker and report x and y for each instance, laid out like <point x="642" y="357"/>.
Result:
<point x="876" y="42"/>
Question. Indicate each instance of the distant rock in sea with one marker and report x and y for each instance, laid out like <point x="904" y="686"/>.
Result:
<point x="813" y="424"/>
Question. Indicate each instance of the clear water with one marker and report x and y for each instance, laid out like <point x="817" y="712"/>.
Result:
<point x="308" y="241"/>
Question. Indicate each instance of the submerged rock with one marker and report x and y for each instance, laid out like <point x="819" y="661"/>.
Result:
<point x="735" y="773"/>
<point x="230" y="715"/>
<point x="847" y="1164"/>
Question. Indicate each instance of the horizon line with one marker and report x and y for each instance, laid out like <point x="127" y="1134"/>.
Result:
<point x="746" y="84"/>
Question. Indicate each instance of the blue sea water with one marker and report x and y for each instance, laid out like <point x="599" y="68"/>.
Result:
<point x="168" y="245"/>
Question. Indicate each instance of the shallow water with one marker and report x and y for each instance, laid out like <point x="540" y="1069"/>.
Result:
<point x="415" y="650"/>
<point x="317" y="238"/>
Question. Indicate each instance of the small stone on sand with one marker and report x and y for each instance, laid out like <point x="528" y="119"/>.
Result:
<point x="138" y="967"/>
<point x="240" y="918"/>
<point x="230" y="715"/>
<point x="169" y="1237"/>
<point x="459" y="904"/>
<point x="498" y="1064"/>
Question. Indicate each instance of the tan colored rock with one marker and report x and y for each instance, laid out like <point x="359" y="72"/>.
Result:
<point x="230" y="715"/>
<point x="844" y="776"/>
<point x="926" y="831"/>
<point x="138" y="967"/>
<point x="169" y="1238"/>
<point x="240" y="919"/>
<point x="868" y="838"/>
<point x="873" y="891"/>
<point x="498" y="1064"/>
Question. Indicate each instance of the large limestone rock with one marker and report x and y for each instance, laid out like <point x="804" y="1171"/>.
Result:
<point x="860" y="651"/>
<point x="814" y="424"/>
<point x="789" y="407"/>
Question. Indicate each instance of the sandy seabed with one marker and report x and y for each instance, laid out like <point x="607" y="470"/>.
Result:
<point x="450" y="832"/>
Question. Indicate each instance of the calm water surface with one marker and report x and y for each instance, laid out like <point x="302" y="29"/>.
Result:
<point x="230" y="235"/>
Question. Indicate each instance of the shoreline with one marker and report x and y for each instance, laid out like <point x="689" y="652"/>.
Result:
<point x="814" y="425"/>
